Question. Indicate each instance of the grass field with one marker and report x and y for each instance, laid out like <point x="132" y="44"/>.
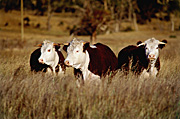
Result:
<point x="24" y="94"/>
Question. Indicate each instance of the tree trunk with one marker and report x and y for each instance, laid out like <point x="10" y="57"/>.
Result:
<point x="22" y="22"/>
<point x="93" y="38"/>
<point x="119" y="19"/>
<point x="117" y="26"/>
<point x="49" y="15"/>
<point x="172" y="25"/>
<point x="172" y="22"/>
<point x="112" y="12"/>
<point x="86" y="4"/>
<point x="105" y="5"/>
<point x="135" y="22"/>
<point x="130" y="10"/>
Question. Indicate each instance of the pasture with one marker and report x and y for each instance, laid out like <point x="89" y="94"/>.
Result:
<point x="24" y="94"/>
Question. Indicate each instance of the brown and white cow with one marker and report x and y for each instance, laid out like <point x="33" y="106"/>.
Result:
<point x="48" y="58"/>
<point x="93" y="61"/>
<point x="143" y="59"/>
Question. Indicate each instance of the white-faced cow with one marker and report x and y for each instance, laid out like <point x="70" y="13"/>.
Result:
<point x="93" y="61"/>
<point x="143" y="59"/>
<point x="48" y="58"/>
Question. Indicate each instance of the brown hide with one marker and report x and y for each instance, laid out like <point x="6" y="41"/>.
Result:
<point x="102" y="59"/>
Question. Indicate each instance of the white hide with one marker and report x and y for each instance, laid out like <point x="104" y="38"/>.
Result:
<point x="49" y="56"/>
<point x="79" y="59"/>
<point x="86" y="73"/>
<point x="152" y="49"/>
<point x="75" y="55"/>
<point x="152" y="53"/>
<point x="149" y="74"/>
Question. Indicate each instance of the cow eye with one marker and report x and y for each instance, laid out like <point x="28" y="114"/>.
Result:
<point x="157" y="48"/>
<point x="77" y="51"/>
<point x="49" y="50"/>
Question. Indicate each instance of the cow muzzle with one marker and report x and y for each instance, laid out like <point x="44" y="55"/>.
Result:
<point x="66" y="62"/>
<point x="151" y="57"/>
<point x="41" y="61"/>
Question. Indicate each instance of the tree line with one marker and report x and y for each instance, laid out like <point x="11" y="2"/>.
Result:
<point x="98" y="15"/>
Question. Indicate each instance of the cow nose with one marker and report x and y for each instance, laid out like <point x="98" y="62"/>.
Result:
<point x="151" y="56"/>
<point x="40" y="60"/>
<point x="66" y="62"/>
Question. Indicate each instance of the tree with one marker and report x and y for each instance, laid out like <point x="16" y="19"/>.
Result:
<point x="22" y="21"/>
<point x="147" y="10"/>
<point x="93" y="18"/>
<point x="40" y="7"/>
<point x="9" y="5"/>
<point x="49" y="15"/>
<point x="173" y="8"/>
<point x="132" y="14"/>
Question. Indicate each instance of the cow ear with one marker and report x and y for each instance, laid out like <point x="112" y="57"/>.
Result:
<point x="85" y="46"/>
<point x="65" y="46"/>
<point x="57" y="46"/>
<point x="164" y="41"/>
<point x="39" y="45"/>
<point x="162" y="44"/>
<point x="139" y="42"/>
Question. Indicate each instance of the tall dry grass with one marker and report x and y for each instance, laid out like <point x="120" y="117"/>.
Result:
<point x="28" y="95"/>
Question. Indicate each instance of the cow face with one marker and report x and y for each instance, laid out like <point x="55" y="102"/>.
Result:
<point x="48" y="54"/>
<point x="152" y="48"/>
<point x="76" y="54"/>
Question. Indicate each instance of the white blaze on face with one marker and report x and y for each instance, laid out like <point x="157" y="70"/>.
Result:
<point x="79" y="59"/>
<point x="75" y="55"/>
<point x="152" y="49"/>
<point x="152" y="53"/>
<point x="48" y="54"/>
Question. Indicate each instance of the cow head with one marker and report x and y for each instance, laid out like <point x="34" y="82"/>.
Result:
<point x="76" y="53"/>
<point x="152" y="47"/>
<point x="49" y="55"/>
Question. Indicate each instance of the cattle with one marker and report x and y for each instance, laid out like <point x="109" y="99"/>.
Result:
<point x="93" y="61"/>
<point x="143" y="59"/>
<point x="47" y="58"/>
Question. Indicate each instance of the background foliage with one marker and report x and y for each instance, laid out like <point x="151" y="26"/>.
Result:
<point x="97" y="16"/>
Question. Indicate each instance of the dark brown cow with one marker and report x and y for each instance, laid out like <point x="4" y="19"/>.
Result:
<point x="93" y="61"/>
<point x="142" y="59"/>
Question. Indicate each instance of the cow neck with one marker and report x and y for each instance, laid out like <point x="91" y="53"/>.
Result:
<point x="56" y="62"/>
<point x="84" y="67"/>
<point x="151" y="65"/>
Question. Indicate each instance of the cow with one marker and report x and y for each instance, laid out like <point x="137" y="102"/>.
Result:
<point x="143" y="59"/>
<point x="92" y="61"/>
<point x="48" y="58"/>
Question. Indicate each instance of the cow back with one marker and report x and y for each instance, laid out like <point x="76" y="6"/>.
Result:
<point x="134" y="58"/>
<point x="102" y="59"/>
